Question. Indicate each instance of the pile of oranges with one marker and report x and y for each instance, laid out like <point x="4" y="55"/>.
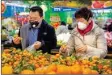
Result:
<point x="24" y="62"/>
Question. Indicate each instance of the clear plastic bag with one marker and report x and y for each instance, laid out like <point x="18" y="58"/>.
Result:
<point x="31" y="48"/>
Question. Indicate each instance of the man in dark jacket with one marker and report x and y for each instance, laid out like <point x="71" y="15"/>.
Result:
<point x="36" y="32"/>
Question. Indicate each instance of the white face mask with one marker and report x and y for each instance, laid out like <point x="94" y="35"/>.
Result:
<point x="81" y="26"/>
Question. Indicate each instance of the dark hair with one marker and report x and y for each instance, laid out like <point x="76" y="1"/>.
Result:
<point x="84" y="13"/>
<point x="70" y="27"/>
<point x="37" y="9"/>
<point x="110" y="27"/>
<point x="63" y="23"/>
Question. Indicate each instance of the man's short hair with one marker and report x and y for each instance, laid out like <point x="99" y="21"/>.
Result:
<point x="37" y="9"/>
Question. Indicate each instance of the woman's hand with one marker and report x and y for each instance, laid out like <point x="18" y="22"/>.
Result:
<point x="109" y="43"/>
<point x="82" y="49"/>
<point x="63" y="48"/>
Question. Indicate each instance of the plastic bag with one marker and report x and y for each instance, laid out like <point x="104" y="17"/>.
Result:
<point x="31" y="48"/>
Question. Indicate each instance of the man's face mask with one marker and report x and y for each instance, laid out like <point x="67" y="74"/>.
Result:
<point x="34" y="24"/>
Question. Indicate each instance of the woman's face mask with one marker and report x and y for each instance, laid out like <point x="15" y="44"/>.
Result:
<point x="82" y="26"/>
<point x="82" y="23"/>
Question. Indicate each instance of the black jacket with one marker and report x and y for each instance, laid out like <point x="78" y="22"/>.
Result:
<point x="46" y="36"/>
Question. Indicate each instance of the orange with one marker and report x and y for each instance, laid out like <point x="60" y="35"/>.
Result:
<point x="95" y="58"/>
<point x="37" y="65"/>
<point x="7" y="69"/>
<point x="109" y="71"/>
<point x="76" y="69"/>
<point x="91" y="63"/>
<point x="87" y="71"/>
<point x="43" y="59"/>
<point x="77" y="63"/>
<point x="52" y="72"/>
<point x="100" y="66"/>
<point x="83" y="67"/>
<point x="68" y="58"/>
<point x="10" y="63"/>
<point x="6" y="50"/>
<point x="16" y="63"/>
<point x="106" y="67"/>
<point x="34" y="61"/>
<point x="94" y="72"/>
<point x="39" y="71"/>
<point x="8" y="55"/>
<point x="62" y="69"/>
<point x="57" y="55"/>
<point x="67" y="70"/>
<point x="52" y="67"/>
<point x="27" y="72"/>
<point x="45" y="69"/>
<point x="40" y="57"/>
<point x="85" y="62"/>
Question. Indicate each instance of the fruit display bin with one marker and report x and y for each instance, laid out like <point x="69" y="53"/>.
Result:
<point x="16" y="61"/>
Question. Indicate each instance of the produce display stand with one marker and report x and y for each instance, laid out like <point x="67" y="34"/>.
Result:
<point x="16" y="61"/>
<point x="56" y="50"/>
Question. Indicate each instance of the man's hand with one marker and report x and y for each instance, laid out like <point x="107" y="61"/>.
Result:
<point x="82" y="49"/>
<point x="17" y="40"/>
<point x="37" y="45"/>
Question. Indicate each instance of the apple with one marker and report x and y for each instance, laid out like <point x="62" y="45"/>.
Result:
<point x="97" y="4"/>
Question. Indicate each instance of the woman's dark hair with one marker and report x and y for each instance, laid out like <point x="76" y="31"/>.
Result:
<point x="84" y="13"/>
<point x="37" y="9"/>
<point x="63" y="23"/>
